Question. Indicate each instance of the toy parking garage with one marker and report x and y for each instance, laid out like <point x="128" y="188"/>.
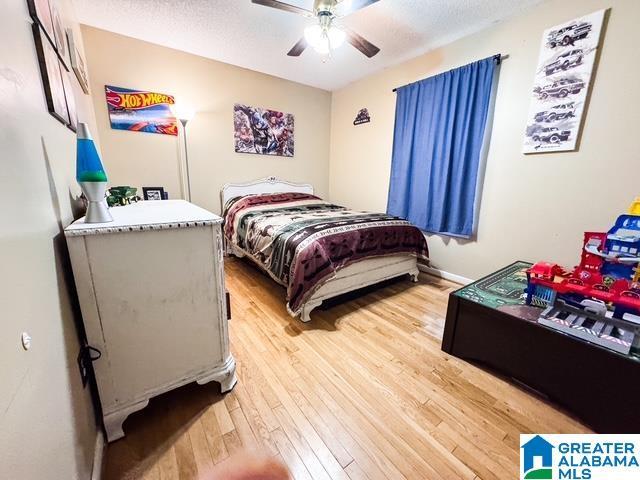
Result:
<point x="599" y="300"/>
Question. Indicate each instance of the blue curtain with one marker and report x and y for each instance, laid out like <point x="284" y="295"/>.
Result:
<point x="437" y="148"/>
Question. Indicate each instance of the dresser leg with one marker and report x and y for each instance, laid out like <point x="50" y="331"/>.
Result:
<point x="113" y="421"/>
<point x="228" y="383"/>
<point x="224" y="375"/>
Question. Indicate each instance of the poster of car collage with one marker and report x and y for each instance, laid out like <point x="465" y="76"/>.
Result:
<point x="561" y="86"/>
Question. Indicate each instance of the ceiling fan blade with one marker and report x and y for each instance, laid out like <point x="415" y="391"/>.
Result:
<point x="298" y="48"/>
<point x="346" y="7"/>
<point x="362" y="44"/>
<point x="284" y="6"/>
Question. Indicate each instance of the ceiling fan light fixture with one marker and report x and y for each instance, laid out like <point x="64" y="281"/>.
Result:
<point x="336" y="36"/>
<point x="322" y="47"/>
<point x="323" y="40"/>
<point x="323" y="36"/>
<point x="313" y="34"/>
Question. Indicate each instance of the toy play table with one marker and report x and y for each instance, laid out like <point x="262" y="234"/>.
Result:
<point x="488" y="322"/>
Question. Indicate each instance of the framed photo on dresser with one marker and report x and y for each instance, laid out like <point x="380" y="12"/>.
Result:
<point x="154" y="193"/>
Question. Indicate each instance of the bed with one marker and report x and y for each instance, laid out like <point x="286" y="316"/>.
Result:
<point x="315" y="249"/>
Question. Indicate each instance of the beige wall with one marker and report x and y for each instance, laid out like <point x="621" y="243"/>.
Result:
<point x="533" y="207"/>
<point x="211" y="88"/>
<point x="47" y="426"/>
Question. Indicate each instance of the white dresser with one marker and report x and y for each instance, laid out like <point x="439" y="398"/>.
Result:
<point x="151" y="290"/>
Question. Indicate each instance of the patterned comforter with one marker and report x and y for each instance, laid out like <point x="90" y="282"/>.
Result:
<point x="302" y="241"/>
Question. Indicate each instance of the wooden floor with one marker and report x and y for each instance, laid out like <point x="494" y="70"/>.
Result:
<point x="362" y="391"/>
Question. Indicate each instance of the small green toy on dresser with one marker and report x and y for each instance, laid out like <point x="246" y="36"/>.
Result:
<point x="122" y="195"/>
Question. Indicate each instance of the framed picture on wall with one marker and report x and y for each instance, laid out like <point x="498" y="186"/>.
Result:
<point x="262" y="131"/>
<point x="41" y="13"/>
<point x="561" y="86"/>
<point x="51" y="74"/>
<point x="70" y="100"/>
<point x="77" y="62"/>
<point x="59" y="34"/>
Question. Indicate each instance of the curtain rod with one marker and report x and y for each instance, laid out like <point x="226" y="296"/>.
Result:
<point x="498" y="57"/>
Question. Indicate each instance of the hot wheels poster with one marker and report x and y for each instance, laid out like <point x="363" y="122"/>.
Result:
<point x="141" y="111"/>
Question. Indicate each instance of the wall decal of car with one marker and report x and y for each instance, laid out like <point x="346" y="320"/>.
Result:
<point x="569" y="34"/>
<point x="556" y="112"/>
<point x="550" y="135"/>
<point x="560" y="88"/>
<point x="564" y="61"/>
<point x="362" y="117"/>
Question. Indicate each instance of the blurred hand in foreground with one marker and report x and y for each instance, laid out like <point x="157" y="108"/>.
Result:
<point x="245" y="466"/>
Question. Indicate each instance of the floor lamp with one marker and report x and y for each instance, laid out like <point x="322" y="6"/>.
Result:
<point x="185" y="114"/>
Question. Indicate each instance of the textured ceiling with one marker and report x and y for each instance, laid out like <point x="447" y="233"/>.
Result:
<point x="257" y="37"/>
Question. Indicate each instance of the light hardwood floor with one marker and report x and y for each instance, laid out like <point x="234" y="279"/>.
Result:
<point x="362" y="391"/>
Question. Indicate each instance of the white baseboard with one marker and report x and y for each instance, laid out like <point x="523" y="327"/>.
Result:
<point x="452" y="277"/>
<point x="98" y="456"/>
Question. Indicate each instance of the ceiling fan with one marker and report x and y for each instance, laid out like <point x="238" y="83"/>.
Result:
<point x="325" y="36"/>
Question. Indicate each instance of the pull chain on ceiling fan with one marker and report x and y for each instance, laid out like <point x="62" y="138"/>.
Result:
<point x="325" y="36"/>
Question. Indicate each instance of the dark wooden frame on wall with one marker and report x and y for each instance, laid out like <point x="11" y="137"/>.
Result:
<point x="598" y="385"/>
<point x="39" y="17"/>
<point x="40" y="39"/>
<point x="60" y="34"/>
<point x="70" y="101"/>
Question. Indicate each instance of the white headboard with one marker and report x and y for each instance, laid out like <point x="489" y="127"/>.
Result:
<point x="264" y="185"/>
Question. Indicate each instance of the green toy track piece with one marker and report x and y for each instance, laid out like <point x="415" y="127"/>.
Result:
<point x="504" y="287"/>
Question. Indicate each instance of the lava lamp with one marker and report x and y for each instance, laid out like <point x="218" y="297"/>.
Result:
<point x="92" y="178"/>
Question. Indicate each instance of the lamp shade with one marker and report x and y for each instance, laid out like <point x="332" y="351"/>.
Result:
<point x="88" y="165"/>
<point x="183" y="112"/>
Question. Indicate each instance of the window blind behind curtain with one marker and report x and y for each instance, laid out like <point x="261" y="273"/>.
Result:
<point x="438" y="143"/>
